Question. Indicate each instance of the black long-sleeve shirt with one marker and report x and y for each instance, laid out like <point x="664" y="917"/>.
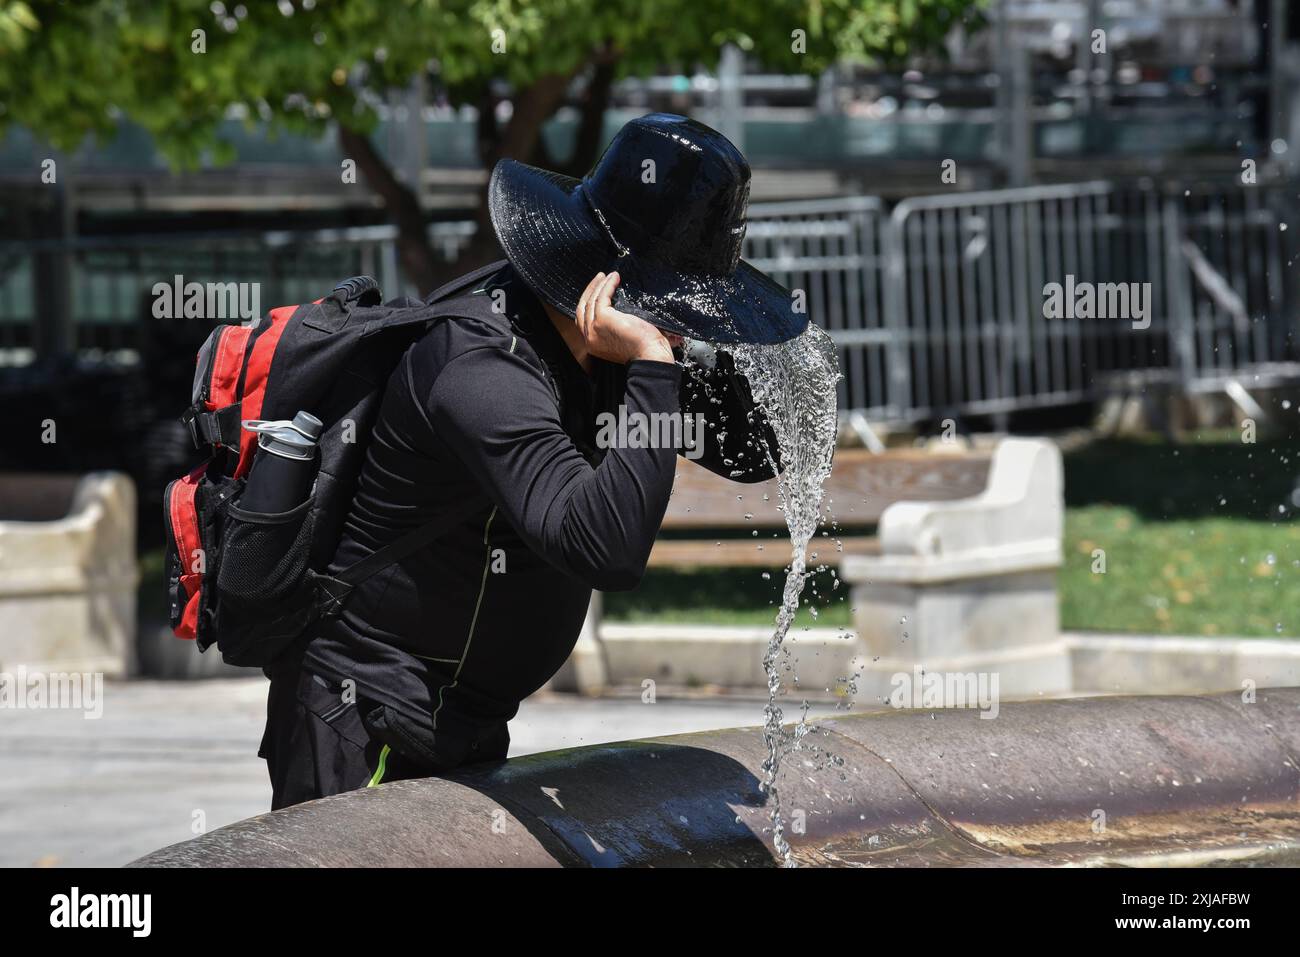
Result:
<point x="495" y="417"/>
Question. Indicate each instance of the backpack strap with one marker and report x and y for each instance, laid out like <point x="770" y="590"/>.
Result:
<point x="466" y="283"/>
<point x="462" y="296"/>
<point x="335" y="589"/>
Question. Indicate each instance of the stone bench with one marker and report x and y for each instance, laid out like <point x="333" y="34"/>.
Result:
<point x="861" y="486"/>
<point x="68" y="572"/>
<point x="958" y="531"/>
<point x="969" y="585"/>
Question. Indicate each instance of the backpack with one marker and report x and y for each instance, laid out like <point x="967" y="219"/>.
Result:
<point x="253" y="583"/>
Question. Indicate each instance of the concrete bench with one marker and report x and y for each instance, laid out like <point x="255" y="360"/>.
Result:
<point x="68" y="572"/>
<point x="968" y="586"/>
<point x="862" y="485"/>
<point x="961" y="531"/>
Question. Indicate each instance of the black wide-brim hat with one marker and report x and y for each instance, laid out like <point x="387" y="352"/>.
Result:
<point x="665" y="208"/>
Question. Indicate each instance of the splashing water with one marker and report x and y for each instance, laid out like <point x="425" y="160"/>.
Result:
<point x="794" y="384"/>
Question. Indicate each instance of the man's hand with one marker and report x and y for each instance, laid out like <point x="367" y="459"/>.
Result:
<point x="615" y="336"/>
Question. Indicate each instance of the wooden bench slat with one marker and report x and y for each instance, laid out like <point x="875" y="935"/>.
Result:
<point x="36" y="496"/>
<point x="861" y="486"/>
<point x="745" y="553"/>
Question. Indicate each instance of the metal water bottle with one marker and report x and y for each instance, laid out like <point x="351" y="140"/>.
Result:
<point x="285" y="466"/>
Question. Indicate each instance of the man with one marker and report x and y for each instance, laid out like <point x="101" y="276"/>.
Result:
<point x="491" y="420"/>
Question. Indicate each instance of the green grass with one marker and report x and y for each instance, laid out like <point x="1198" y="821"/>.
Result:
<point x="727" y="596"/>
<point x="1198" y="537"/>
<point x="1212" y="576"/>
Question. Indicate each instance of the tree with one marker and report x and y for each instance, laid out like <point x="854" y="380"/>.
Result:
<point x="180" y="67"/>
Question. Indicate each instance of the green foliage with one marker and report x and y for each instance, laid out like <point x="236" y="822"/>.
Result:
<point x="68" y="69"/>
<point x="17" y="24"/>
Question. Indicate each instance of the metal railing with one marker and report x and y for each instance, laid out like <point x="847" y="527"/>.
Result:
<point x="968" y="272"/>
<point x="113" y="278"/>
<point x="937" y="307"/>
<point x="967" y="281"/>
<point x="832" y="251"/>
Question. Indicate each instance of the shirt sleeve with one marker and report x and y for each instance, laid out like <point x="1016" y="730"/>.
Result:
<point x="498" y="416"/>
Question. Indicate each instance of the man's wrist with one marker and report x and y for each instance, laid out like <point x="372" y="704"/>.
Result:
<point x="659" y="351"/>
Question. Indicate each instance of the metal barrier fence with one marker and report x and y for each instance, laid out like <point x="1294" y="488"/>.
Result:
<point x="938" y="308"/>
<point x="1185" y="288"/>
<point x="833" y="251"/>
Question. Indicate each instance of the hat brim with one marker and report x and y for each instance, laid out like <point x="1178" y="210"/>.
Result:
<point x="550" y="236"/>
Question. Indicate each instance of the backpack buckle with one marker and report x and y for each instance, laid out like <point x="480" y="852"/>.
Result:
<point x="219" y="428"/>
<point x="331" y="596"/>
<point x="188" y="418"/>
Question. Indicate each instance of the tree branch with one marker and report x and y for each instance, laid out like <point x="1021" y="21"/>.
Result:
<point x="403" y="205"/>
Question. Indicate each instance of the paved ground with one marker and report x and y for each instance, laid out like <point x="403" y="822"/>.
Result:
<point x="167" y="759"/>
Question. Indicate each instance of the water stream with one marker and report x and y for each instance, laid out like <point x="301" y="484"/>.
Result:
<point x="795" y="385"/>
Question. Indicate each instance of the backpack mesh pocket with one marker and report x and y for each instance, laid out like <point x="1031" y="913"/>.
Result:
<point x="264" y="558"/>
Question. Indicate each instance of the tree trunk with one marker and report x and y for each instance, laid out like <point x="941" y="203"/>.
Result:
<point x="520" y="138"/>
<point x="413" y="250"/>
<point x="592" y="125"/>
<point x="532" y="107"/>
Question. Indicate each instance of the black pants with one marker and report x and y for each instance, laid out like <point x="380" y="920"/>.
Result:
<point x="320" y="741"/>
